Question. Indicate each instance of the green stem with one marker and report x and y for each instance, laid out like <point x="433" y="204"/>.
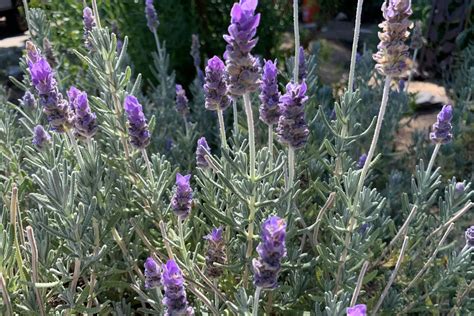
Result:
<point x="355" y="42"/>
<point x="291" y="167"/>
<point x="236" y="117"/>
<point x="148" y="165"/>
<point x="270" y="144"/>
<point x="182" y="246"/>
<point x="433" y="158"/>
<point x="76" y="147"/>
<point x="297" y="40"/>
<point x="96" y="13"/>
<point x="222" y="128"/>
<point x="5" y="296"/>
<point x="256" y="298"/>
<point x="249" y="113"/>
<point x="216" y="296"/>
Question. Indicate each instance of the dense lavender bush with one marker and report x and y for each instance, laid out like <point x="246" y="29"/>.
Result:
<point x="100" y="213"/>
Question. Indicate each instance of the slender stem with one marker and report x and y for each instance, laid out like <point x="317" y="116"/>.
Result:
<point x="148" y="165"/>
<point x="291" y="167"/>
<point x="182" y="244"/>
<point x="216" y="295"/>
<point x="249" y="113"/>
<point x="34" y="267"/>
<point x="454" y="218"/>
<point x="270" y="144"/>
<point x="415" y="52"/>
<point x="118" y="239"/>
<point x="186" y="126"/>
<point x="5" y="296"/>
<point x="426" y="266"/>
<point x="13" y="222"/>
<point x="355" y="42"/>
<point x="460" y="298"/>
<point x="161" y="57"/>
<point x="401" y="232"/>
<point x="76" y="274"/>
<point x="236" y="117"/>
<point x="256" y="298"/>
<point x="96" y="13"/>
<point x="222" y="128"/>
<point x="373" y="145"/>
<point x="392" y="276"/>
<point x="76" y="147"/>
<point x="297" y="40"/>
<point x="248" y="253"/>
<point x="329" y="203"/>
<point x="164" y="235"/>
<point x="433" y="158"/>
<point x="359" y="282"/>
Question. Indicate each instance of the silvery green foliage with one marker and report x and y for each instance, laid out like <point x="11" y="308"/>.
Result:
<point x="98" y="218"/>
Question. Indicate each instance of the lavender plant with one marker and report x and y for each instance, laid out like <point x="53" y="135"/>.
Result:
<point x="107" y="224"/>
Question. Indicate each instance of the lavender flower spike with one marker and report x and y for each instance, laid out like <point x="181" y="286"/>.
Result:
<point x="89" y="23"/>
<point x="361" y="161"/>
<point x="152" y="274"/>
<point x="269" y="95"/>
<point x="28" y="100"/>
<point x="151" y="16"/>
<point x="54" y="106"/>
<point x="215" y="87"/>
<point x="292" y="129"/>
<point x="195" y="53"/>
<point x="85" y="122"/>
<point x="175" y="295"/>
<point x="215" y="253"/>
<point x="392" y="51"/>
<point x="302" y="65"/>
<point x="241" y="67"/>
<point x="138" y="127"/>
<point x="442" y="129"/>
<point x="41" y="137"/>
<point x="182" y="106"/>
<point x="183" y="196"/>
<point x="271" y="250"/>
<point x="357" y="310"/>
<point x="201" y="151"/>
<point x="469" y="234"/>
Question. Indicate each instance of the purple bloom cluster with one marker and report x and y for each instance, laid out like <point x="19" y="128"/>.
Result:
<point x="49" y="53"/>
<point x="361" y="161"/>
<point x="152" y="274"/>
<point x="41" y="138"/>
<point x="54" y="106"/>
<point x="215" y="87"/>
<point x="182" y="106"/>
<point x="269" y="95"/>
<point x="215" y="253"/>
<point x="392" y="50"/>
<point x="138" y="127"/>
<point x="202" y="150"/>
<point x="442" y="129"/>
<point x="302" y="71"/>
<point x="183" y="196"/>
<point x="195" y="53"/>
<point x="175" y="295"/>
<point x="270" y="250"/>
<point x="241" y="67"/>
<point x="89" y="23"/>
<point x="85" y="122"/>
<point x="28" y="100"/>
<point x="151" y="16"/>
<point x="459" y="187"/>
<point x="357" y="310"/>
<point x="469" y="234"/>
<point x="292" y="129"/>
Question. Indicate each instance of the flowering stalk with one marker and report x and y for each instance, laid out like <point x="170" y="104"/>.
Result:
<point x="251" y="131"/>
<point x="355" y="42"/>
<point x="392" y="276"/>
<point x="34" y="267"/>
<point x="360" y="279"/>
<point x="427" y="265"/>
<point x="236" y="117"/>
<point x="5" y="296"/>
<point x="297" y="40"/>
<point x="256" y="298"/>
<point x="220" y="116"/>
